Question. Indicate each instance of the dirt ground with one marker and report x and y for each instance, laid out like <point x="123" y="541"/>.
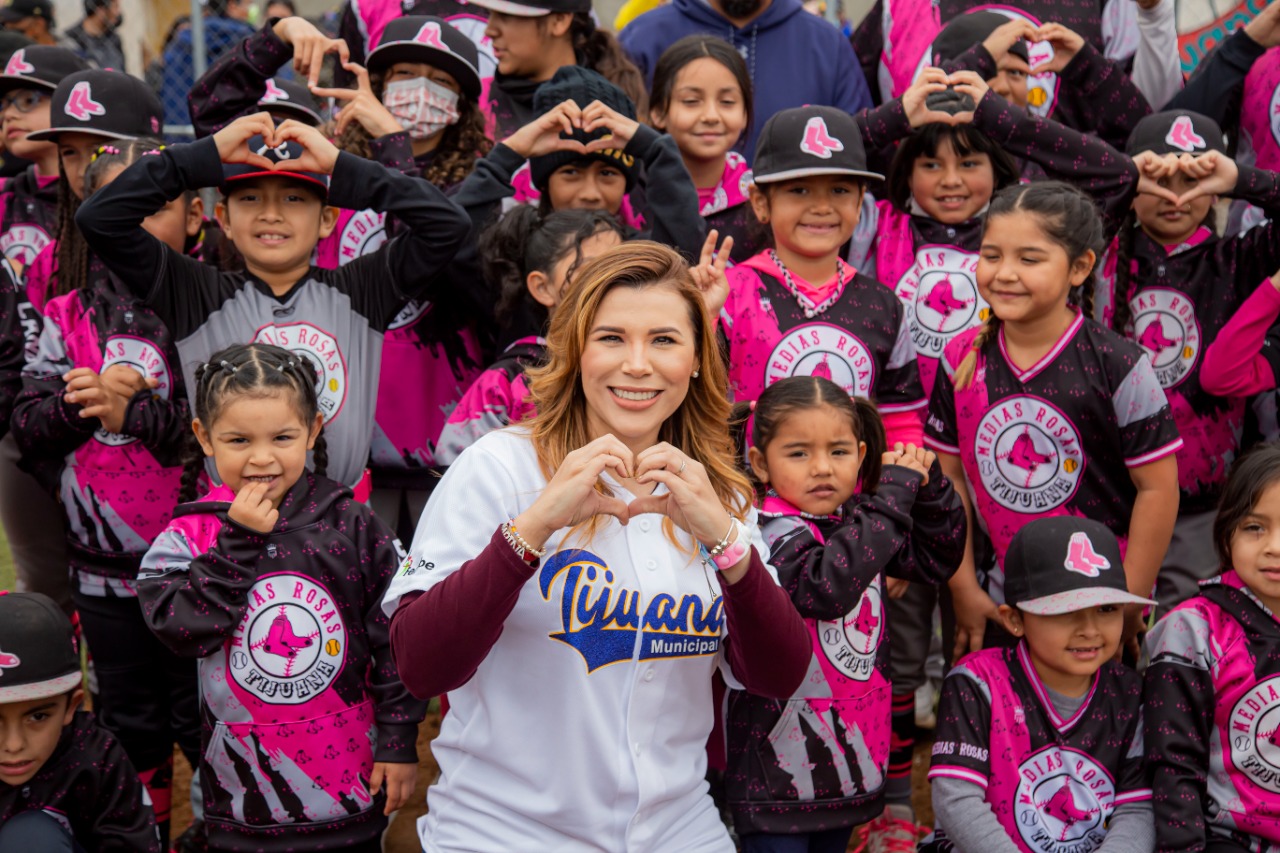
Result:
<point x="403" y="837"/>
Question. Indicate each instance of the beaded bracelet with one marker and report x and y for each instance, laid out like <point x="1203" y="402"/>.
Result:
<point x="518" y="544"/>
<point x="730" y="550"/>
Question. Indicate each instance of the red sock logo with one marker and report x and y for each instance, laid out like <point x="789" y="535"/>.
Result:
<point x="81" y="104"/>
<point x="1082" y="558"/>
<point x="818" y="141"/>
<point x="274" y="93"/>
<point x="1183" y="135"/>
<point x="18" y="64"/>
<point x="430" y="36"/>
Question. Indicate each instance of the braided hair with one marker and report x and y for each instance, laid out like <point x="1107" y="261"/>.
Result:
<point x="256" y="370"/>
<point x="1067" y="217"/>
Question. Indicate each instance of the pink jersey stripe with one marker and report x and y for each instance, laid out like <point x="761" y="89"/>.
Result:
<point x="1133" y="796"/>
<point x="1171" y="447"/>
<point x="960" y="773"/>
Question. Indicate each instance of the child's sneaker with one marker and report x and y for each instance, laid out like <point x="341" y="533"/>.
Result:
<point x="895" y="831"/>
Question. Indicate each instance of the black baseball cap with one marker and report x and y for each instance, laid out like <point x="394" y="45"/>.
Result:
<point x="426" y="38"/>
<point x="39" y="66"/>
<point x="292" y="99"/>
<point x="38" y="654"/>
<point x="1064" y="564"/>
<point x="583" y="86"/>
<point x="1176" y="132"/>
<point x="105" y="103"/>
<point x="964" y="31"/>
<point x="17" y="10"/>
<point x="533" y="10"/>
<point x="805" y="141"/>
<point x="233" y="172"/>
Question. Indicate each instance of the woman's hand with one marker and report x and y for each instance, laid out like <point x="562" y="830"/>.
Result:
<point x="318" y="153"/>
<point x="597" y="116"/>
<point x="361" y="105"/>
<point x="310" y="46"/>
<point x="251" y="509"/>
<point x="542" y="135"/>
<point x="973" y="607"/>
<point x="709" y="274"/>
<point x="690" y="502"/>
<point x="570" y="497"/>
<point x="398" y="779"/>
<point x="96" y="398"/>
<point x="233" y="140"/>
<point x="1065" y="43"/>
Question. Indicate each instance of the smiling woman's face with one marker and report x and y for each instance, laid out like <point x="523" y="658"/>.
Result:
<point x="638" y="360"/>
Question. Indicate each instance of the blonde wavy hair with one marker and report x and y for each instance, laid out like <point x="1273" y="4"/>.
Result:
<point x="699" y="428"/>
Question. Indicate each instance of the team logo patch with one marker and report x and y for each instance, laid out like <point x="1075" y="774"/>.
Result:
<point x="1028" y="455"/>
<point x="1082" y="558"/>
<point x="289" y="647"/>
<point x="941" y="297"/>
<point x="1165" y="325"/>
<point x="820" y="349"/>
<point x="144" y="357"/>
<point x="18" y="64"/>
<point x="22" y="244"/>
<point x="321" y="349"/>
<point x="1255" y="734"/>
<point x="364" y="232"/>
<point x="281" y="151"/>
<point x="1063" y="801"/>
<point x="80" y="105"/>
<point x="1182" y="135"/>
<point x="430" y="36"/>
<point x="409" y="314"/>
<point x="1273" y="114"/>
<point x="818" y="141"/>
<point x="602" y="619"/>
<point x="850" y="644"/>
<point x="273" y="94"/>
<point x="8" y="660"/>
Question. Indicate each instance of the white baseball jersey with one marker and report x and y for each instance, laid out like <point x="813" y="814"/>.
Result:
<point x="585" y="727"/>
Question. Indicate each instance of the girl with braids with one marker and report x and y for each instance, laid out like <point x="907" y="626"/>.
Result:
<point x="273" y="580"/>
<point x="100" y="422"/>
<point x="533" y="258"/>
<point x="1042" y="411"/>
<point x="1170" y="283"/>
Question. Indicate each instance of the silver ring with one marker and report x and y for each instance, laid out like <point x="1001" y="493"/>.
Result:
<point x="683" y="464"/>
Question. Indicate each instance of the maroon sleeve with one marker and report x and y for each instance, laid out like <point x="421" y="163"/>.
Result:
<point x="440" y="637"/>
<point x="768" y="647"/>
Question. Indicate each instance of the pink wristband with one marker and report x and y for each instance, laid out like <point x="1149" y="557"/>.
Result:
<point x="733" y="554"/>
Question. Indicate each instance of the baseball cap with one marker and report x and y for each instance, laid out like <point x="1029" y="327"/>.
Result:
<point x="534" y="10"/>
<point x="1175" y="132"/>
<point x="38" y="655"/>
<point x="583" y="86"/>
<point x="233" y="172"/>
<point x="805" y="141"/>
<point x="16" y="10"/>
<point x="105" y="103"/>
<point x="964" y="31"/>
<point x="1064" y="564"/>
<point x="425" y="38"/>
<point x="39" y="66"/>
<point x="292" y="99"/>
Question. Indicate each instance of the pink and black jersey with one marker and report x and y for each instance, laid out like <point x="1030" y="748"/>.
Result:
<point x="299" y="694"/>
<point x="497" y="398"/>
<point x="1212" y="697"/>
<point x="1051" y="782"/>
<point x="820" y="759"/>
<point x="1056" y="438"/>
<point x="727" y="208"/>
<point x="1180" y="297"/>
<point x="850" y="329"/>
<point x="28" y="215"/>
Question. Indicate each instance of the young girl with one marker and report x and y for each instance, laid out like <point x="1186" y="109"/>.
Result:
<point x="1210" y="689"/>
<point x="1044" y="412"/>
<point x="1039" y="746"/>
<point x="1170" y="284"/>
<point x="841" y="512"/>
<point x="100" y="421"/>
<point x="273" y="580"/>
<point x="533" y="258"/>
<point x="701" y="96"/>
<point x="275" y="218"/>
<point x="798" y="309"/>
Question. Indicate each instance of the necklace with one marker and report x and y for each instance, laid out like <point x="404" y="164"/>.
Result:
<point x="811" y="310"/>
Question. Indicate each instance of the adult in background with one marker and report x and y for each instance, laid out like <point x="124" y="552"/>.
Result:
<point x="95" y="37"/>
<point x="226" y="24"/>
<point x="576" y="581"/>
<point x="795" y="58"/>
<point x="32" y="18"/>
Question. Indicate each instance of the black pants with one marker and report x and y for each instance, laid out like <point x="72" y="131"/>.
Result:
<point x="1222" y="844"/>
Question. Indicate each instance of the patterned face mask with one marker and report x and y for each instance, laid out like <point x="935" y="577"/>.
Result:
<point x="422" y="107"/>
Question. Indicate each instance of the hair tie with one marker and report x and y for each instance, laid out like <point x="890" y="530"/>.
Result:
<point x="228" y="366"/>
<point x="751" y="406"/>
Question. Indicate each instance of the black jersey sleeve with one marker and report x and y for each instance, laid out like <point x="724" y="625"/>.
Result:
<point x="12" y="342"/>
<point x="1097" y="97"/>
<point x="963" y="736"/>
<point x="235" y="83"/>
<point x="1216" y="84"/>
<point x="671" y="206"/>
<point x="940" y="430"/>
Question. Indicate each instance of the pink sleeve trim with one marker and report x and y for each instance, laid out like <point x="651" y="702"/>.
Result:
<point x="934" y="444"/>
<point x="1138" y="461"/>
<point x="1133" y="796"/>
<point x="962" y="774"/>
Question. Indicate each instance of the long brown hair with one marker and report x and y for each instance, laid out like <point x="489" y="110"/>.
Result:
<point x="699" y="428"/>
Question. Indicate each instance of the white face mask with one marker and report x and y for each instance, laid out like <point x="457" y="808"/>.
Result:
<point x="422" y="107"/>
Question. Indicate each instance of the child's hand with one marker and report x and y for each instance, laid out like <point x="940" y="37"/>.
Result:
<point x="709" y="275"/>
<point x="399" y="779"/>
<point x="542" y="135"/>
<point x="96" y="398"/>
<point x="971" y="84"/>
<point x="251" y="509"/>
<point x="1216" y="174"/>
<point x="309" y="47"/>
<point x="930" y="80"/>
<point x="127" y="381"/>
<point x="917" y="459"/>
<point x="318" y="153"/>
<point x="362" y="105"/>
<point x="973" y="607"/>
<point x="1007" y="35"/>
<point x="1265" y="28"/>
<point x="232" y="140"/>
<point x="896" y="587"/>
<point x="1066" y="44"/>
<point x="621" y="128"/>
<point x="1152" y="169"/>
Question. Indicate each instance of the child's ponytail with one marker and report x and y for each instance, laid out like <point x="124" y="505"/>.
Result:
<point x="600" y="51"/>
<point x="868" y="426"/>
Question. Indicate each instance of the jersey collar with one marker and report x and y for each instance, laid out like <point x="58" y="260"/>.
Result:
<point x="1045" y="360"/>
<point x="1042" y="694"/>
